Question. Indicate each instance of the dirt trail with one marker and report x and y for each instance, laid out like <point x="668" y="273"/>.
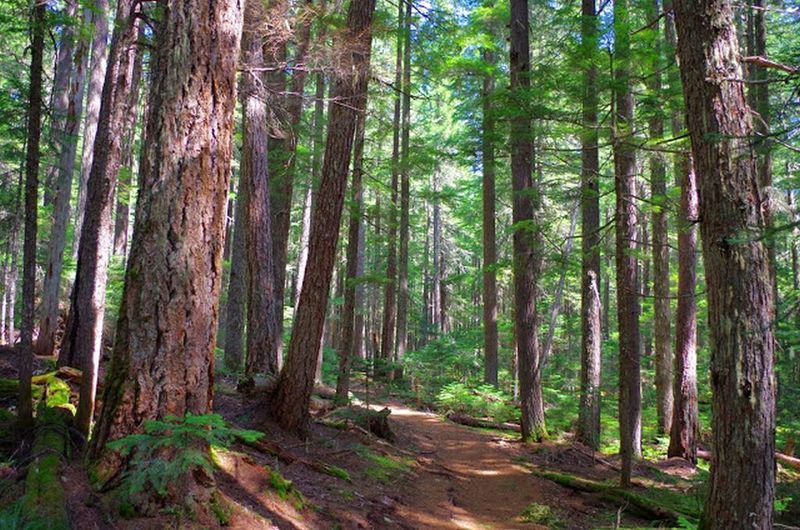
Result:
<point x="467" y="479"/>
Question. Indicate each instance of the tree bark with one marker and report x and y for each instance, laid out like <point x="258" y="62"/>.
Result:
<point x="490" y="337"/>
<point x="163" y="359"/>
<point x="684" y="431"/>
<point x="740" y="295"/>
<point x="32" y="156"/>
<point x="348" y="345"/>
<point x="237" y="285"/>
<point x="82" y="342"/>
<point x="628" y="309"/>
<point x="262" y="329"/>
<point x="405" y="196"/>
<point x="390" y="288"/>
<point x="97" y="76"/>
<point x="60" y="97"/>
<point x="51" y="286"/>
<point x="588" y="430"/>
<point x="348" y="95"/>
<point x="660" y="250"/>
<point x="526" y="203"/>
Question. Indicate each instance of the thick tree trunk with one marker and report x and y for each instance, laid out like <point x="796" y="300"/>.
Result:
<point x="527" y="262"/>
<point x="97" y="76"/>
<point x="405" y="196"/>
<point x="658" y="193"/>
<point x="163" y="360"/>
<point x="348" y="346"/>
<point x="262" y="333"/>
<point x="348" y="101"/>
<point x="740" y="296"/>
<point x="684" y="431"/>
<point x="60" y="97"/>
<point x="51" y="286"/>
<point x="237" y="285"/>
<point x="32" y="155"/>
<point x="390" y="287"/>
<point x="588" y="430"/>
<point x="628" y="309"/>
<point x="489" y="196"/>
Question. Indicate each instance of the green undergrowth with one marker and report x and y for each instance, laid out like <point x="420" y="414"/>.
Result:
<point x="484" y="401"/>
<point x="541" y="514"/>
<point x="285" y="489"/>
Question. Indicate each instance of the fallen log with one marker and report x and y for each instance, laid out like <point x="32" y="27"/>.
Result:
<point x="271" y="448"/>
<point x="471" y="421"/>
<point x="786" y="460"/>
<point x="636" y="503"/>
<point x="374" y="422"/>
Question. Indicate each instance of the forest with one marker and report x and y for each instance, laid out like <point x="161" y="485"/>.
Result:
<point x="399" y="264"/>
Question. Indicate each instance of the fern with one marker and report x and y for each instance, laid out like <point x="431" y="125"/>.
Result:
<point x="168" y="449"/>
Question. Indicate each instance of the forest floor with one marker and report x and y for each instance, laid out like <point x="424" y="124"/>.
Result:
<point x="433" y="474"/>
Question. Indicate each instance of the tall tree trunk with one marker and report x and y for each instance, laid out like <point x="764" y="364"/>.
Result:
<point x="555" y="307"/>
<point x="390" y="287"/>
<point x="237" y="284"/>
<point x="348" y="101"/>
<point x="741" y="307"/>
<point x="436" y="283"/>
<point x="82" y="340"/>
<point x="684" y="431"/>
<point x="126" y="173"/>
<point x="588" y="430"/>
<point x="97" y="76"/>
<point x="61" y="97"/>
<point x="658" y="192"/>
<point x="405" y="196"/>
<point x="51" y="286"/>
<point x="348" y="346"/>
<point x="490" y="338"/>
<point x="10" y="291"/>
<point x="630" y="393"/>
<point x="32" y="155"/>
<point x="262" y="333"/>
<point x="527" y="262"/>
<point x="163" y="360"/>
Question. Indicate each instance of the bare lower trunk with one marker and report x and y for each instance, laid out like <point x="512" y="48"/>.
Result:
<point x="741" y="308"/>
<point x="163" y="360"/>
<point x="490" y="339"/>
<point x="348" y="346"/>
<point x="630" y="393"/>
<point x="348" y="101"/>
<point x="34" y="132"/>
<point x="588" y="430"/>
<point x="262" y="333"/>
<point x="51" y="286"/>
<point x="555" y="307"/>
<point x="97" y="75"/>
<point x="237" y="285"/>
<point x="527" y="262"/>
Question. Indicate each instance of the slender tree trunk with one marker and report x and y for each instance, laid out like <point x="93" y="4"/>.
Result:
<point x="740" y="296"/>
<point x="684" y="431"/>
<point x="588" y="430"/>
<point x="61" y="98"/>
<point x="490" y="338"/>
<point x="348" y="341"/>
<point x="348" y="95"/>
<point x="97" y="76"/>
<point x="527" y="262"/>
<point x="630" y="393"/>
<point x="237" y="285"/>
<point x="163" y="360"/>
<point x="359" y="345"/>
<point x="10" y="292"/>
<point x="436" y="283"/>
<point x="555" y="308"/>
<point x="32" y="155"/>
<point x="126" y="173"/>
<point x="262" y="333"/>
<point x="82" y="340"/>
<point x="390" y="288"/>
<point x="51" y="287"/>
<point x="660" y="249"/>
<point x="405" y="197"/>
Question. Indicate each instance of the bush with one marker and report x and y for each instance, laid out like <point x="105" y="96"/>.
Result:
<point x="483" y="401"/>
